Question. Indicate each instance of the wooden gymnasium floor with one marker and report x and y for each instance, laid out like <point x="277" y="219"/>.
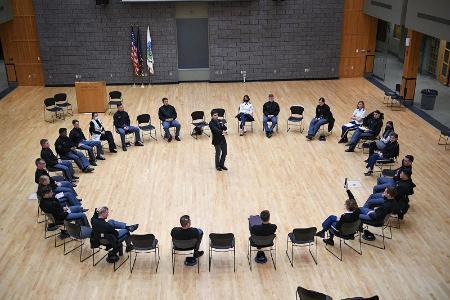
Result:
<point x="300" y="182"/>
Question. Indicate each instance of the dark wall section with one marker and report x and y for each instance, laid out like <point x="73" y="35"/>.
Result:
<point x="275" y="40"/>
<point x="268" y="39"/>
<point x="429" y="18"/>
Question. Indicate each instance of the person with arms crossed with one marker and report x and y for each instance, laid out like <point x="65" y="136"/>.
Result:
<point x="218" y="131"/>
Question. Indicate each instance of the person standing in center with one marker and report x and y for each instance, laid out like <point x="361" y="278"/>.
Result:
<point x="218" y="131"/>
<point x="167" y="114"/>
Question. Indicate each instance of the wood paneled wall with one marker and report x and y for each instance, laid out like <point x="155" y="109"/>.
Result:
<point x="358" y="40"/>
<point x="21" y="45"/>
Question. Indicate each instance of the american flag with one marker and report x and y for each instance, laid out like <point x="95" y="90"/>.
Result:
<point x="134" y="54"/>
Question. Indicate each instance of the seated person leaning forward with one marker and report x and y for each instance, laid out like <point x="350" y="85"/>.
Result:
<point x="261" y="226"/>
<point x="323" y="116"/>
<point x="186" y="232"/>
<point x="355" y="121"/>
<point x="122" y="124"/>
<point x="371" y="128"/>
<point x="114" y="231"/>
<point x="351" y="215"/>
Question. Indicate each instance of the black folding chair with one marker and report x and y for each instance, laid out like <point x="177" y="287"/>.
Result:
<point x="198" y="121"/>
<point x="144" y="243"/>
<point x="144" y="122"/>
<point x="183" y="247"/>
<point x="304" y="294"/>
<point x="301" y="237"/>
<point x="59" y="227"/>
<point x="115" y="99"/>
<point x="222" y="242"/>
<point x="55" y="111"/>
<point x="262" y="243"/>
<point x="347" y="232"/>
<point x="105" y="243"/>
<point x="383" y="225"/>
<point x="61" y="101"/>
<point x="76" y="234"/>
<point x="296" y="118"/>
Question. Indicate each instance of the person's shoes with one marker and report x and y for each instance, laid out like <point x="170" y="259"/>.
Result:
<point x="224" y="168"/>
<point x="349" y="150"/>
<point x="348" y="144"/>
<point x="241" y="133"/>
<point x="365" y="145"/>
<point x="343" y="140"/>
<point x="85" y="210"/>
<point x="169" y="139"/>
<point x="368" y="173"/>
<point x="132" y="228"/>
<point x="88" y="170"/>
<point x="128" y="248"/>
<point x="366" y="160"/>
<point x="124" y="148"/>
<point x="197" y="254"/>
<point x="328" y="242"/>
<point x="139" y="143"/>
<point x="128" y="144"/>
<point x="75" y="177"/>
<point x="308" y="137"/>
<point x="190" y="261"/>
<point x="269" y="135"/>
<point x="73" y="184"/>
<point x="320" y="233"/>
<point x="100" y="157"/>
<point x="177" y="138"/>
<point x="112" y="259"/>
<point x="219" y="169"/>
<point x="63" y="235"/>
<point x="52" y="227"/>
<point x="92" y="163"/>
<point x="368" y="236"/>
<point x="79" y="200"/>
<point x="113" y="150"/>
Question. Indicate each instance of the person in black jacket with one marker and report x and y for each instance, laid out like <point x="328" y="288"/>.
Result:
<point x="386" y="181"/>
<point x="52" y="161"/>
<point x="261" y="226"/>
<point x="323" y="116"/>
<point x="218" y="131"/>
<point x="168" y="115"/>
<point x="60" y="181"/>
<point x="380" y="212"/>
<point x="186" y="232"/>
<point x="372" y="125"/>
<point x="271" y="109"/>
<point x="99" y="133"/>
<point x="66" y="149"/>
<point x="116" y="232"/>
<point x="77" y="137"/>
<point x="63" y="195"/>
<point x="389" y="152"/>
<point x="351" y="215"/>
<point x="122" y="124"/>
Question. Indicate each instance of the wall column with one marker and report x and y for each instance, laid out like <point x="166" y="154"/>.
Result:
<point x="411" y="65"/>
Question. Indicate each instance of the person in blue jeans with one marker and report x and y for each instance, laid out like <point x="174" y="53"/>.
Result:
<point x="52" y="161"/>
<point x="323" y="116"/>
<point x="389" y="152"/>
<point x="386" y="181"/>
<point x="332" y="222"/>
<point x="168" y="116"/>
<point x="66" y="149"/>
<point x="68" y="195"/>
<point x="79" y="140"/>
<point x="123" y="126"/>
<point x="271" y="109"/>
<point x="59" y="181"/>
<point x="382" y="209"/>
<point x="372" y="125"/>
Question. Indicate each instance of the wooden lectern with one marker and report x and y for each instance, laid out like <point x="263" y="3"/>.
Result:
<point x="91" y="96"/>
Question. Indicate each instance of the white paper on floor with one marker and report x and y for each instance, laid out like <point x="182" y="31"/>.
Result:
<point x="354" y="183"/>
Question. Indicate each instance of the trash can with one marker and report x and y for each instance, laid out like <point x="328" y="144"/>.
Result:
<point x="428" y="99"/>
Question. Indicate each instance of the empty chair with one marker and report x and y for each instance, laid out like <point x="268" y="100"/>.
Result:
<point x="296" y="118"/>
<point x="184" y="247"/>
<point x="199" y="123"/>
<point x="383" y="225"/>
<point x="49" y="219"/>
<point x="222" y="242"/>
<point x="443" y="138"/>
<point x="347" y="232"/>
<point x="77" y="233"/>
<point x="61" y="101"/>
<point x="304" y="294"/>
<point x="301" y="237"/>
<point x="262" y="243"/>
<point x="389" y="94"/>
<point x="144" y="122"/>
<point x="363" y="298"/>
<point x="144" y="243"/>
<point x="115" y="98"/>
<point x="56" y="112"/>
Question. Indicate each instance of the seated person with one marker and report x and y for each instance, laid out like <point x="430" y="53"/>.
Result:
<point x="261" y="226"/>
<point x="122" y="124"/>
<point x="67" y="150"/>
<point x="351" y="215"/>
<point x="186" y="232"/>
<point x="58" y="180"/>
<point x="118" y="231"/>
<point x="381" y="143"/>
<point x="79" y="140"/>
<point x="323" y="116"/>
<point x="388" y="152"/>
<point x="355" y="121"/>
<point x="245" y="113"/>
<point x="99" y="133"/>
<point x="381" y="210"/>
<point x="371" y="128"/>
<point x="52" y="161"/>
<point x="61" y="194"/>
<point x="386" y="181"/>
<point x="168" y="116"/>
<point x="271" y="109"/>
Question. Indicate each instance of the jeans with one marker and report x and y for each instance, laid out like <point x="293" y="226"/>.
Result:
<point x="372" y="160"/>
<point x="273" y="120"/>
<point x="130" y="129"/>
<point x="88" y="145"/>
<point x="314" y="126"/>
<point x="383" y="183"/>
<point x="326" y="225"/>
<point x="124" y="234"/>
<point x="77" y="214"/>
<point x="346" y="129"/>
<point x="65" y="186"/>
<point x="167" y="124"/>
<point x="220" y="149"/>
<point x="71" y="198"/>
<point x="358" y="135"/>
<point x="66" y="167"/>
<point x="373" y="202"/>
<point x="79" y="158"/>
<point x="365" y="214"/>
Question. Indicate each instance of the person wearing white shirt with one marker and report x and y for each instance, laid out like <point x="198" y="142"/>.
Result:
<point x="245" y="113"/>
<point x="355" y="121"/>
<point x="99" y="133"/>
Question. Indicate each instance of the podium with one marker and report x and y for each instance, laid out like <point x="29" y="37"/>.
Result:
<point x="91" y="96"/>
